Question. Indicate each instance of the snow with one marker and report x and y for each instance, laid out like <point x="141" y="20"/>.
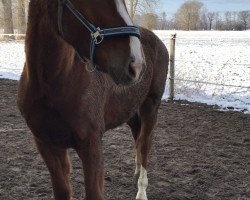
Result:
<point x="216" y="57"/>
<point x="9" y="75"/>
<point x="11" y="59"/>
<point x="220" y="57"/>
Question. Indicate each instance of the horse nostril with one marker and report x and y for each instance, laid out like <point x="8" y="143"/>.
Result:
<point x="134" y="70"/>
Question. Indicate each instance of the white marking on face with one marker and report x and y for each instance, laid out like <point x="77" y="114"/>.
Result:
<point x="135" y="44"/>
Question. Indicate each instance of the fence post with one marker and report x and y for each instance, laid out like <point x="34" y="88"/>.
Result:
<point x="172" y="66"/>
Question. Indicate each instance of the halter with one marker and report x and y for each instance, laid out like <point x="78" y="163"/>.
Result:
<point x="97" y="34"/>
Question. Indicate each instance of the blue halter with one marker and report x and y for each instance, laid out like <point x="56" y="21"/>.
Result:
<point x="97" y="34"/>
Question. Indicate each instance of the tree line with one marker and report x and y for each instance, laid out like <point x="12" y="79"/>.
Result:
<point x="192" y="15"/>
<point x="13" y="16"/>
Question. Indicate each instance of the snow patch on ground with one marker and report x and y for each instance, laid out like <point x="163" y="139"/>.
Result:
<point x="210" y="56"/>
<point x="12" y="59"/>
<point x="9" y="75"/>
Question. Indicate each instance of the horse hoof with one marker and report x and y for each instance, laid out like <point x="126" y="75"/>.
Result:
<point x="142" y="199"/>
<point x="141" y="196"/>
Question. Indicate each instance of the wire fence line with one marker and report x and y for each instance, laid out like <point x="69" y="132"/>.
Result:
<point x="172" y="40"/>
<point x="13" y="35"/>
<point x="179" y="38"/>
<point x="175" y="62"/>
<point x="206" y="39"/>
<point x="7" y="68"/>
<point x="12" y="130"/>
<point x="209" y="83"/>
<point x="225" y="63"/>
<point x="211" y="39"/>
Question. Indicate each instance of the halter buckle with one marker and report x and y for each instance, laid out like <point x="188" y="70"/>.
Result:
<point x="97" y="36"/>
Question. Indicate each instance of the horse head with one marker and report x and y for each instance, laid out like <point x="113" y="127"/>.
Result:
<point x="101" y="31"/>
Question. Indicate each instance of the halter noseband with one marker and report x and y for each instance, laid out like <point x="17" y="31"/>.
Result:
<point x="97" y="34"/>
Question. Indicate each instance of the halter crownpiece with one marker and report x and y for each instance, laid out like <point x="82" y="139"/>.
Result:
<point x="97" y="34"/>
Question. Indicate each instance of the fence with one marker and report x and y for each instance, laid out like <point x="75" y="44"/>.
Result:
<point x="12" y="36"/>
<point x="15" y="56"/>
<point x="172" y="76"/>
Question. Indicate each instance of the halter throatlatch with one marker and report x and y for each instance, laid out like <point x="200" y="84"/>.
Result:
<point x="97" y="34"/>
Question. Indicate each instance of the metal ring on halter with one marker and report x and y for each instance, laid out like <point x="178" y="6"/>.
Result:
<point x="97" y="36"/>
<point x="99" y="39"/>
<point x="92" y="68"/>
<point x="87" y="62"/>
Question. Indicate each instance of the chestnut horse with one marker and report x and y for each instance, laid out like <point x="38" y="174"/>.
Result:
<point x="69" y="102"/>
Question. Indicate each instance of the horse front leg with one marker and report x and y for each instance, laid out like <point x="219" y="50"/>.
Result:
<point x="140" y="175"/>
<point x="135" y="126"/>
<point x="148" y="114"/>
<point x="90" y="152"/>
<point x="59" y="167"/>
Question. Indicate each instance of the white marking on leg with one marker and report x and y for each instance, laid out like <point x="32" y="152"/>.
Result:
<point x="135" y="44"/>
<point x="142" y="185"/>
<point x="137" y="163"/>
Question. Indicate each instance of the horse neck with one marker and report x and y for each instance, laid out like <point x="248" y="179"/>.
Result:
<point x="47" y="54"/>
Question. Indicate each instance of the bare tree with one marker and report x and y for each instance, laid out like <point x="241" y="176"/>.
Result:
<point x="163" y="21"/>
<point x="132" y="7"/>
<point x="211" y="17"/>
<point x="203" y="21"/>
<point x="7" y="16"/>
<point x="188" y="15"/>
<point x="244" y="17"/>
<point x="228" y="20"/>
<point x="218" y="21"/>
<point x="141" y="6"/>
<point x="21" y="22"/>
<point x="149" y="21"/>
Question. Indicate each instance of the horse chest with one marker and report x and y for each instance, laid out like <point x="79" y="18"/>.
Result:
<point x="122" y="104"/>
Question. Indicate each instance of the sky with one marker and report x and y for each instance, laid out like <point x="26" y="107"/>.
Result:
<point x="171" y="6"/>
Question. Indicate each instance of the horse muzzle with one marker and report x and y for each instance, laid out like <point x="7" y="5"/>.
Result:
<point x="129" y="75"/>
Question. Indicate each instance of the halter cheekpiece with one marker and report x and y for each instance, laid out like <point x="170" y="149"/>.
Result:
<point x="97" y="34"/>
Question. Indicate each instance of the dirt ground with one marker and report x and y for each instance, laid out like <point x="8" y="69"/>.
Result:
<point x="199" y="153"/>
